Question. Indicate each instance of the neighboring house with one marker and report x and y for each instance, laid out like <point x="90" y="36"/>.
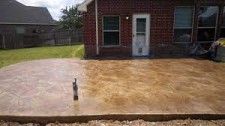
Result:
<point x="20" y="24"/>
<point x="150" y="27"/>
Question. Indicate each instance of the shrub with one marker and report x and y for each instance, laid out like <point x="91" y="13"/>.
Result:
<point x="222" y="41"/>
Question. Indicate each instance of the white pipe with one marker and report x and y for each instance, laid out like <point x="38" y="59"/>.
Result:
<point x="96" y="21"/>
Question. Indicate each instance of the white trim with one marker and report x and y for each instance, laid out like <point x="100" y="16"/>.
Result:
<point x="96" y="28"/>
<point x="182" y="42"/>
<point x="217" y="22"/>
<point x="83" y="6"/>
<point x="148" y="26"/>
<point x="206" y="27"/>
<point x="108" y="46"/>
<point x="192" y="27"/>
<point x="111" y="30"/>
<point x="111" y="46"/>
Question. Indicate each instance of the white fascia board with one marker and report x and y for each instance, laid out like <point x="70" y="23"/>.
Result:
<point x="83" y="6"/>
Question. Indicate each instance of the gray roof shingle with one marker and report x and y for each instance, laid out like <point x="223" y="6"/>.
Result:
<point x="13" y="12"/>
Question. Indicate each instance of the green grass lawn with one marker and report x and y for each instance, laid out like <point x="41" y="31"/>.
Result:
<point x="8" y="57"/>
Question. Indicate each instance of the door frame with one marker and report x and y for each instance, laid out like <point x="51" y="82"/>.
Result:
<point x="148" y="27"/>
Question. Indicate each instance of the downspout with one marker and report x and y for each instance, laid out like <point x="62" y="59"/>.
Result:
<point x="96" y="21"/>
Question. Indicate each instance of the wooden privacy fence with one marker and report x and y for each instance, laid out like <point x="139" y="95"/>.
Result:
<point x="1" y="42"/>
<point x="62" y="37"/>
<point x="12" y="40"/>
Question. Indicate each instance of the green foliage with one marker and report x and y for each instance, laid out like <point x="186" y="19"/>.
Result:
<point x="8" y="57"/>
<point x="71" y="18"/>
<point x="222" y="42"/>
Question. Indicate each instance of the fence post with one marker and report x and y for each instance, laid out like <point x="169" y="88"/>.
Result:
<point x="54" y="38"/>
<point x="70" y="38"/>
<point x="3" y="41"/>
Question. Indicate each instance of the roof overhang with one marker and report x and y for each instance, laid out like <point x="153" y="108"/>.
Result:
<point x="83" y="6"/>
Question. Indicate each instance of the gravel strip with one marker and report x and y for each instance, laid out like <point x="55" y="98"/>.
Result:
<point x="128" y="123"/>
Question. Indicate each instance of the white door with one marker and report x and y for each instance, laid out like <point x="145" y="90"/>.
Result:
<point x="141" y="34"/>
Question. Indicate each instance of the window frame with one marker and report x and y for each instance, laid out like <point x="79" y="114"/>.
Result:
<point x="103" y="31"/>
<point x="217" y="19"/>
<point x="223" y="20"/>
<point x="184" y="28"/>
<point x="223" y="17"/>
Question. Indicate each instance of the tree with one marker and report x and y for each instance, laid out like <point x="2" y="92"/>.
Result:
<point x="71" y="18"/>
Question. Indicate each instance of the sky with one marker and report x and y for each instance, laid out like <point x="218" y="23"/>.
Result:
<point x="54" y="6"/>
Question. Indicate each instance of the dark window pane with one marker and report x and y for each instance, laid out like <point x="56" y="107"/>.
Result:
<point x="222" y="33"/>
<point x="207" y="16"/>
<point x="182" y="35"/>
<point x="141" y="24"/>
<point x="111" y="23"/>
<point x="224" y="17"/>
<point x="206" y="34"/>
<point x="111" y="38"/>
<point x="183" y="16"/>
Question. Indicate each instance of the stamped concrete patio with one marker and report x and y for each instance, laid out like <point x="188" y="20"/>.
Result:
<point x="158" y="86"/>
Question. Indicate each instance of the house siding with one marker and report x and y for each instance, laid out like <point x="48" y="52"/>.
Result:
<point x="161" y="25"/>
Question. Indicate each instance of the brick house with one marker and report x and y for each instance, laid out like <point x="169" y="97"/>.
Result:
<point x="20" y="24"/>
<point x="150" y="27"/>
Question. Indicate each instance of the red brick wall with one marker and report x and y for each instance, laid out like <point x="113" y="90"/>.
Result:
<point x="89" y="31"/>
<point x="161" y="30"/>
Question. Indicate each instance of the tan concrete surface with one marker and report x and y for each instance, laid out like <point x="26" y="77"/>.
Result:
<point x="187" y="122"/>
<point x="157" y="86"/>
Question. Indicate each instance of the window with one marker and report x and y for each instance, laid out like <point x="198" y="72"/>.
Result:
<point x="141" y="25"/>
<point x="111" y="30"/>
<point x="183" y="24"/>
<point x="222" y="32"/>
<point x="20" y="30"/>
<point x="207" y="21"/>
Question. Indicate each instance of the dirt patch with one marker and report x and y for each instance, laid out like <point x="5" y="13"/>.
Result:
<point x="129" y="123"/>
